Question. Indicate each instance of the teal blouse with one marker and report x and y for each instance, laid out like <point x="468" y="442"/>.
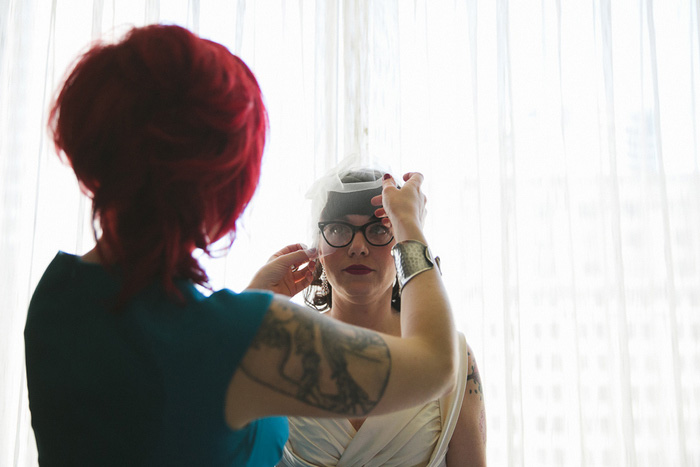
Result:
<point x="143" y="386"/>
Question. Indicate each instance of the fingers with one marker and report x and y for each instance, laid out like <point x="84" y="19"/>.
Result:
<point x="302" y="284"/>
<point x="288" y="249"/>
<point x="296" y="259"/>
<point x="388" y="184"/>
<point x="417" y="177"/>
<point x="288" y="271"/>
<point x="388" y="181"/>
<point x="293" y="287"/>
<point x="295" y="254"/>
<point x="304" y="273"/>
<point x="414" y="178"/>
<point x="299" y="275"/>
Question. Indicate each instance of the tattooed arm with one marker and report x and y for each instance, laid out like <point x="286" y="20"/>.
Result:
<point x="304" y="363"/>
<point x="468" y="443"/>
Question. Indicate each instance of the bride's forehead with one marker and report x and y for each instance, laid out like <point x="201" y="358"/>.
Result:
<point x="357" y="219"/>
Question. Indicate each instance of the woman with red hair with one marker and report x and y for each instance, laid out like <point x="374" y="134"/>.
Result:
<point x="127" y="362"/>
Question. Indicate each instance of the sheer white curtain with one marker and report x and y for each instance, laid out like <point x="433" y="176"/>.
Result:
<point x="560" y="147"/>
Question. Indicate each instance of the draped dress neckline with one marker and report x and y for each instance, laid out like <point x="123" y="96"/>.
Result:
<point x="417" y="436"/>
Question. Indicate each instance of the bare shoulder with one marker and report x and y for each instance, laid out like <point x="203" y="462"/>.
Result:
<point x="303" y="363"/>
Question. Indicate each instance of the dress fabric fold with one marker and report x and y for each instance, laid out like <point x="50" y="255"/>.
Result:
<point x="417" y="436"/>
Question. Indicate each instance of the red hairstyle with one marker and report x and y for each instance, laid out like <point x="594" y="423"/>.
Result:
<point x="165" y="131"/>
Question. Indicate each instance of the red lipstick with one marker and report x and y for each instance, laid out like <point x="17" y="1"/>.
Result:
<point x="358" y="269"/>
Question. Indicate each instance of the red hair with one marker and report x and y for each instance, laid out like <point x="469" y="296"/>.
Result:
<point x="165" y="132"/>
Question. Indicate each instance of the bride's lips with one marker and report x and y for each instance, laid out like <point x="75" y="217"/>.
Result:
<point x="357" y="269"/>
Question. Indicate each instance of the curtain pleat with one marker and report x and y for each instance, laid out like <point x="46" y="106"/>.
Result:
<point x="672" y="322"/>
<point x="611" y="203"/>
<point x="355" y="79"/>
<point x="194" y="10"/>
<point x="573" y="374"/>
<point x="509" y="246"/>
<point x="152" y="13"/>
<point x="24" y="445"/>
<point x="694" y="53"/>
<point x="326" y="86"/>
<point x="471" y="23"/>
<point x="240" y="15"/>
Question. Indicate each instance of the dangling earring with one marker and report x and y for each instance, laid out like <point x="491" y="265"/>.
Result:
<point x="324" y="283"/>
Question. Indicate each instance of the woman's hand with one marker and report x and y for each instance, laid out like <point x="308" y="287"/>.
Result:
<point x="402" y="209"/>
<point x="287" y="272"/>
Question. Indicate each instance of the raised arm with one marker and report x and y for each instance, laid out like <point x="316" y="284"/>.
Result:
<point x="303" y="363"/>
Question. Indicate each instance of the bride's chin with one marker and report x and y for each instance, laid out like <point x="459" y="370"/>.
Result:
<point x="361" y="292"/>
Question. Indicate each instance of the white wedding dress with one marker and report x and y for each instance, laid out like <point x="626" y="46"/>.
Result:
<point x="418" y="436"/>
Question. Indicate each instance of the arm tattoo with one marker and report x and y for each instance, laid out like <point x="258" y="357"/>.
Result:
<point x="474" y="376"/>
<point x="341" y="369"/>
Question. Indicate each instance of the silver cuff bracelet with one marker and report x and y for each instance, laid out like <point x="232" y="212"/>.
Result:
<point x="412" y="257"/>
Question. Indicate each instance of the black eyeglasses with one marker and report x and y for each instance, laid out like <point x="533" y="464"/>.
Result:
<point x="339" y="234"/>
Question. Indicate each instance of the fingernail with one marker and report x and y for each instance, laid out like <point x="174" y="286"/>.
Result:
<point x="387" y="176"/>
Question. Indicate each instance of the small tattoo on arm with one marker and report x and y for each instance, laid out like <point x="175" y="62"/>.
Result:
<point x="477" y="388"/>
<point x="344" y="371"/>
<point x="474" y="376"/>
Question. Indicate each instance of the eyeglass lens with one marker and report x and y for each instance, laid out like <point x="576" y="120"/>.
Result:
<point x="340" y="234"/>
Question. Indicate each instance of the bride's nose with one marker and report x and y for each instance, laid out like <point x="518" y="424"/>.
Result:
<point x="358" y="246"/>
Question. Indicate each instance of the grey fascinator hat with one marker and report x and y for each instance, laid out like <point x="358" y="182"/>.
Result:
<point x="346" y="189"/>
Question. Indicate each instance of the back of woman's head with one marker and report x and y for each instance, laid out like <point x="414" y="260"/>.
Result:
<point x="165" y="131"/>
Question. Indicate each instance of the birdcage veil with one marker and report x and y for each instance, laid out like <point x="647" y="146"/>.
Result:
<point x="345" y="189"/>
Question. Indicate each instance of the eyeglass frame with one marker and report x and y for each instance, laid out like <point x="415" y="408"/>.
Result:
<point x="355" y="229"/>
